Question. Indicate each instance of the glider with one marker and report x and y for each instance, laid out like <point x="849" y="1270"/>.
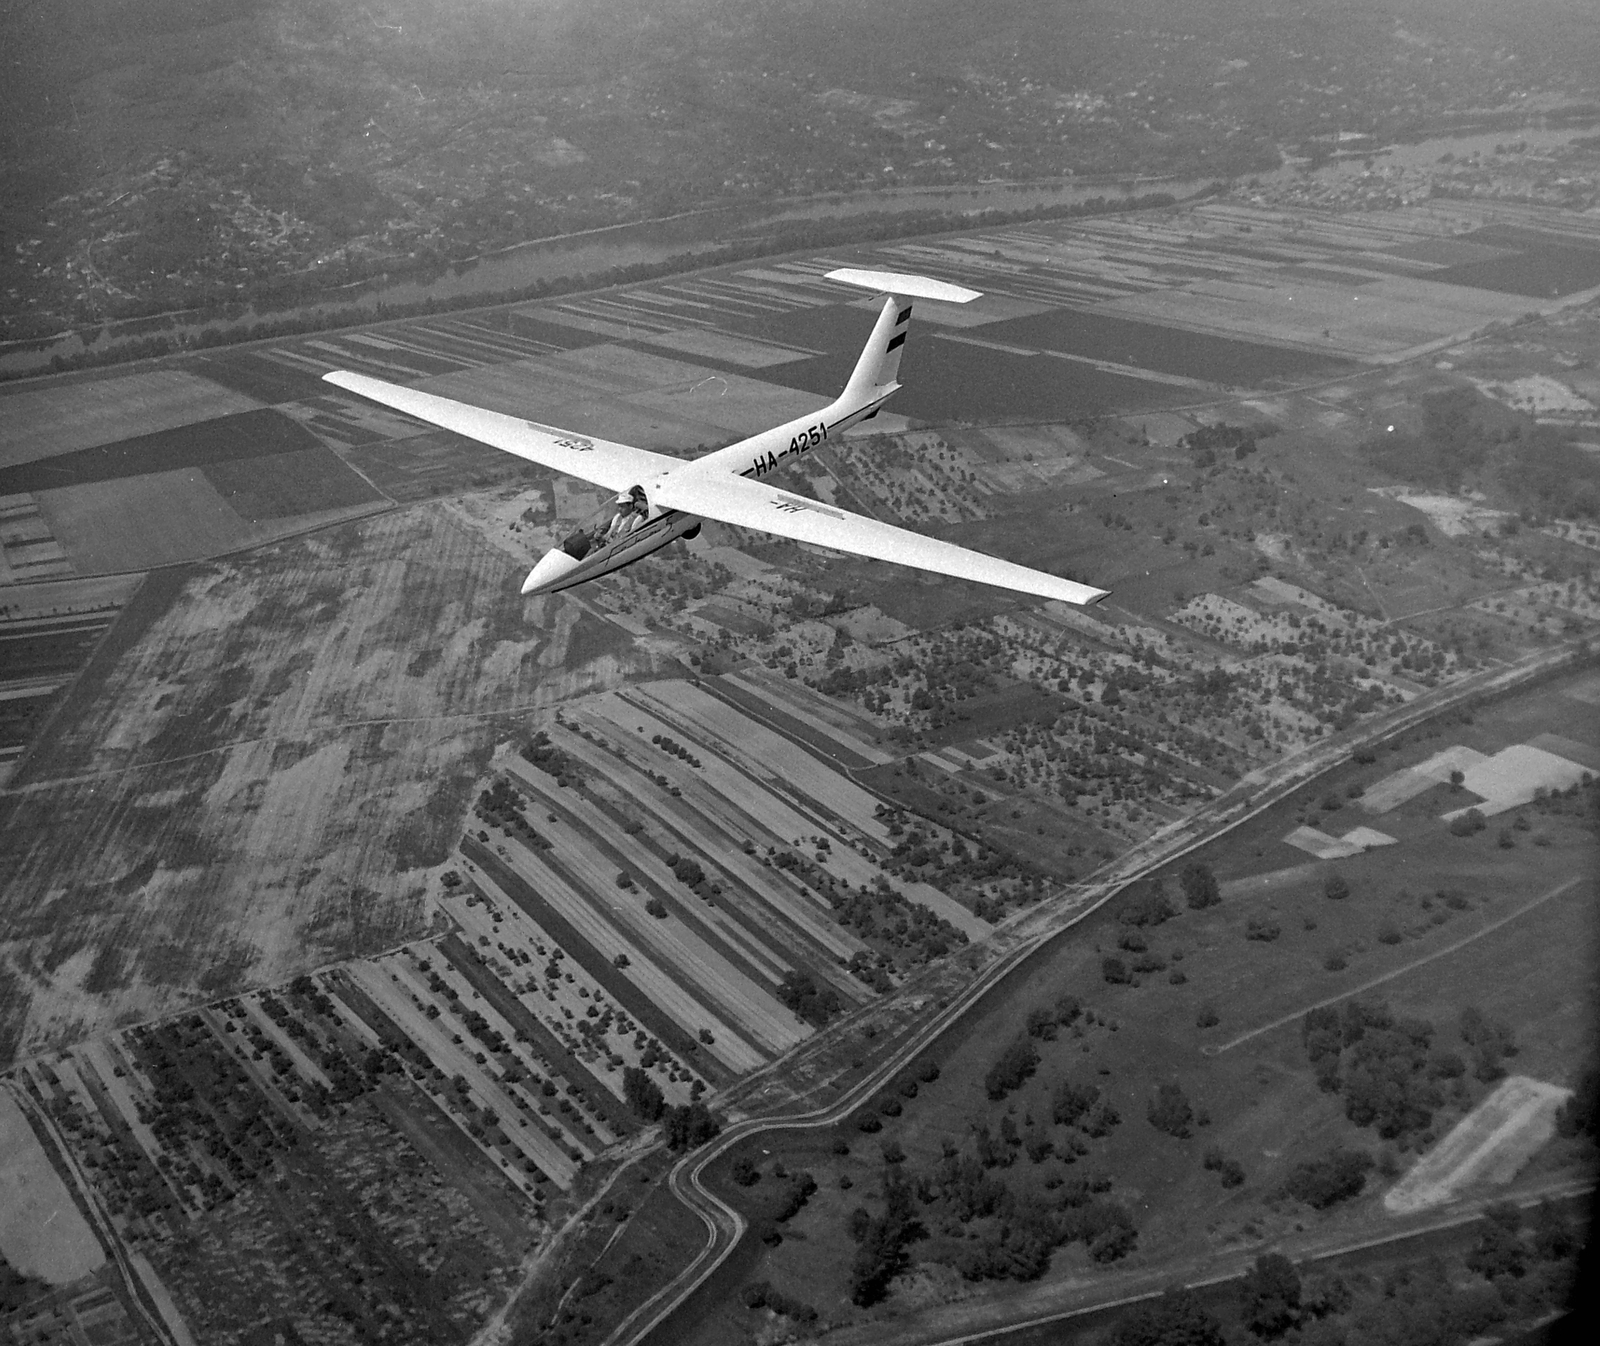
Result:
<point x="660" y="498"/>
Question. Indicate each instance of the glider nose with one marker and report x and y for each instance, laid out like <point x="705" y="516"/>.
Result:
<point x="553" y="565"/>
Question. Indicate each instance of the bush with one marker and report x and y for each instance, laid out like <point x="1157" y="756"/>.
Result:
<point x="761" y="1295"/>
<point x="1132" y="940"/>
<point x="1115" y="971"/>
<point x="1269" y="1296"/>
<point x="1070" y="1102"/>
<point x="1176" y="1319"/>
<point x="1206" y="1017"/>
<point x="1150" y="907"/>
<point x="1262" y="928"/>
<point x="1200" y="886"/>
<point x="1338" y="1176"/>
<point x="1170" y="1111"/>
<point x="1469" y="822"/>
<point x="656" y="908"/>
<point x="1015" y="1065"/>
<point x="1334" y="887"/>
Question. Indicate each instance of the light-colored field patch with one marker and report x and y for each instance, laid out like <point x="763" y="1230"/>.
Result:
<point x="1409" y="782"/>
<point x="42" y="1232"/>
<point x="763" y="683"/>
<point x="1487" y="1146"/>
<point x="1511" y="777"/>
<point x="1368" y="837"/>
<point x="1321" y="845"/>
<point x="59" y="419"/>
<point x="1452" y="515"/>
<point x="1442" y="764"/>
<point x="1537" y="394"/>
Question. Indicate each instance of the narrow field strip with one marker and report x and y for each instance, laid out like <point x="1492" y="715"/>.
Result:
<point x="648" y="994"/>
<point x="659" y="959"/>
<point x="646" y="864"/>
<point x="1398" y="972"/>
<point x="698" y="952"/>
<point x="715" y="798"/>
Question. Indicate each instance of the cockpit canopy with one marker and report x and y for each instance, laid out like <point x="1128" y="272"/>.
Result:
<point x="618" y="518"/>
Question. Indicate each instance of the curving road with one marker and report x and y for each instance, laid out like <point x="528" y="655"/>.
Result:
<point x="1032" y="929"/>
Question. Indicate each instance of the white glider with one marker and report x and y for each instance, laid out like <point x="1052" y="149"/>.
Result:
<point x="660" y="498"/>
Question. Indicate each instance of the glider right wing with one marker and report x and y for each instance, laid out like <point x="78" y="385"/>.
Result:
<point x="746" y="502"/>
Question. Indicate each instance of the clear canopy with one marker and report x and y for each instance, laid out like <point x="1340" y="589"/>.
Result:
<point x="609" y="525"/>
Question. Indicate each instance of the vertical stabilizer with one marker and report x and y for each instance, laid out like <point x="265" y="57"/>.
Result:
<point x="875" y="375"/>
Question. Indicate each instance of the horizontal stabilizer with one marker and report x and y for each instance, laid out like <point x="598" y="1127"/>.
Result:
<point x="905" y="285"/>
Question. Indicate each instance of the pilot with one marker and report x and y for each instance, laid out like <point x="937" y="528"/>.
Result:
<point x="631" y="508"/>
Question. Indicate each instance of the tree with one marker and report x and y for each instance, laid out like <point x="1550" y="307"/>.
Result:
<point x="799" y="992"/>
<point x="1269" y="1296"/>
<point x="881" y="1254"/>
<point x="1337" y="1176"/>
<point x="1150" y="907"/>
<point x="690" y="1125"/>
<point x="642" y="1093"/>
<point x="1334" y="887"/>
<point x="1016" y="1064"/>
<point x="1200" y="886"/>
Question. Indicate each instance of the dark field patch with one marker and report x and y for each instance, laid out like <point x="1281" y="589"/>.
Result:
<point x="592" y="638"/>
<point x="552" y="334"/>
<point x="257" y="375"/>
<point x="439" y="463"/>
<point x="248" y="434"/>
<point x="1164" y="349"/>
<point x="45" y="651"/>
<point x="950" y="381"/>
<point x="1542" y="268"/>
<point x="282" y="485"/>
<point x="21" y="717"/>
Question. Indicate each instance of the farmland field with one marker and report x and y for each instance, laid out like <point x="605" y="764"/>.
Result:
<point x="247" y="434"/>
<point x="276" y="729"/>
<point x="45" y="422"/>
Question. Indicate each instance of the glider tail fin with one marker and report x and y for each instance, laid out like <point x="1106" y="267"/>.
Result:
<point x="876" y="372"/>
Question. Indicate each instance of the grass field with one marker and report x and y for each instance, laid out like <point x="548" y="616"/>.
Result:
<point x="262" y="728"/>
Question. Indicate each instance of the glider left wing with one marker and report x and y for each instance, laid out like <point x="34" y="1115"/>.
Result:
<point x="748" y="503"/>
<point x="616" y="467"/>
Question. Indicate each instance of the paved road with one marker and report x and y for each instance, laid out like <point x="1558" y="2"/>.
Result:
<point x="1030" y="930"/>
